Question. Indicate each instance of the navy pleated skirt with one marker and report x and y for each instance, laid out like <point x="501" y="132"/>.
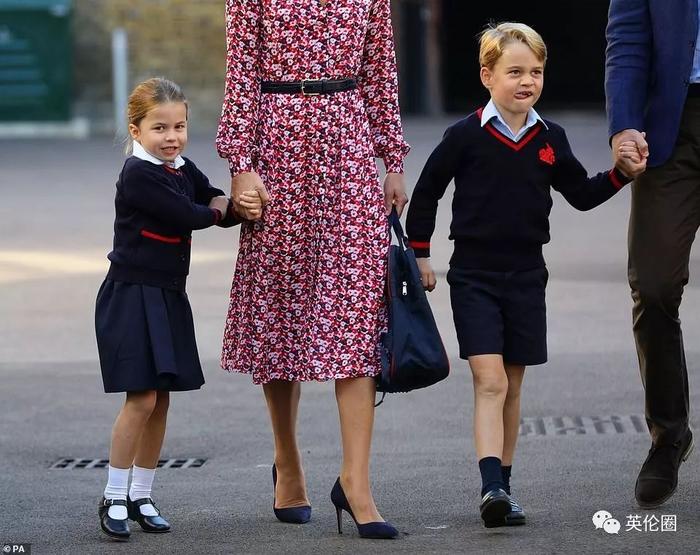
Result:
<point x="145" y="338"/>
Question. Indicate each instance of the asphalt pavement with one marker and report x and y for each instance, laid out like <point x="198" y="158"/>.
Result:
<point x="582" y="439"/>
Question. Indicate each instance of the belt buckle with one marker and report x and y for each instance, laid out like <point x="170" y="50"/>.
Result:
<point x="304" y="82"/>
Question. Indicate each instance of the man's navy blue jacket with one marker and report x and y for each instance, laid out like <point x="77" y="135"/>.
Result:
<point x="651" y="44"/>
<point x="157" y="207"/>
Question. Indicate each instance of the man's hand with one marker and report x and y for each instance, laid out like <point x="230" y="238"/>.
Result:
<point x="394" y="192"/>
<point x="623" y="157"/>
<point x="249" y="181"/>
<point x="427" y="275"/>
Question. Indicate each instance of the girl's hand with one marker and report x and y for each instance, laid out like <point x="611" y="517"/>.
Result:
<point x="394" y="192"/>
<point x="251" y="202"/>
<point x="427" y="275"/>
<point x="249" y="181"/>
<point x="220" y="204"/>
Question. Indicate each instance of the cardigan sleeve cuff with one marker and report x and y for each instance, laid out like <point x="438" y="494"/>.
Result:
<point x="618" y="179"/>
<point x="420" y="248"/>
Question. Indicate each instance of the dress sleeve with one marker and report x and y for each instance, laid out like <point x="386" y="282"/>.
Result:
<point x="236" y="135"/>
<point x="378" y="84"/>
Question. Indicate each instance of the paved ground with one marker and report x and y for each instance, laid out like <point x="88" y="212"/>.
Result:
<point x="55" y="229"/>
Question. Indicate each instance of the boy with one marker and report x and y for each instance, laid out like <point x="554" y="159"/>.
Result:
<point x="504" y="158"/>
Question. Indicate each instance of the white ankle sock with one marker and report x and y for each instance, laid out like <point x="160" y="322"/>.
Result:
<point x="117" y="485"/>
<point x="141" y="484"/>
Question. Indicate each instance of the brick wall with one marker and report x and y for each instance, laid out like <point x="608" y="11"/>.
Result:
<point x="183" y="40"/>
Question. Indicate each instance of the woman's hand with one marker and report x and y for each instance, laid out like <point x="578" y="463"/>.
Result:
<point x="394" y="192"/>
<point x="248" y="181"/>
<point x="427" y="275"/>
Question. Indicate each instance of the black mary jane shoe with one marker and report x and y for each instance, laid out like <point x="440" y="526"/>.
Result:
<point x="117" y="529"/>
<point x="155" y="524"/>
<point x="495" y="505"/>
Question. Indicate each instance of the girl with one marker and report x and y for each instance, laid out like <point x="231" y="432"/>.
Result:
<point x="143" y="320"/>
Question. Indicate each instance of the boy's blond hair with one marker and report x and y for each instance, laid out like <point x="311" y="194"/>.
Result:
<point x="494" y="39"/>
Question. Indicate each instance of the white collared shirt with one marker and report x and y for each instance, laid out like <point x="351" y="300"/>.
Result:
<point x="491" y="113"/>
<point x="143" y="154"/>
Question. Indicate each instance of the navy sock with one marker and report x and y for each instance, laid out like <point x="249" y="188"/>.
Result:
<point x="505" y="472"/>
<point x="491" y="477"/>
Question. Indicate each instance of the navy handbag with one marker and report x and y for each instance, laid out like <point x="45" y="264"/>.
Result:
<point x="413" y="355"/>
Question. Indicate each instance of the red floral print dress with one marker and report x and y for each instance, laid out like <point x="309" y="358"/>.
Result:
<point x="307" y="295"/>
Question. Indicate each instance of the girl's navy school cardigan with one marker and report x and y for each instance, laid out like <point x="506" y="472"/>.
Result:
<point x="157" y="207"/>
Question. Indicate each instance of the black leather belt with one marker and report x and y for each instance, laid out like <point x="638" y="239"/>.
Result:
<point x="311" y="87"/>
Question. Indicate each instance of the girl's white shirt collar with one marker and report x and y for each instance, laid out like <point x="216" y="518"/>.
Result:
<point x="143" y="154"/>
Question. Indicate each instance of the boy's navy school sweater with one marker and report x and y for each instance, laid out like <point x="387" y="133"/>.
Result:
<point x="502" y="200"/>
<point x="157" y="207"/>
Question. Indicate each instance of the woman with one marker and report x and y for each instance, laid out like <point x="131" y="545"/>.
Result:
<point x="307" y="296"/>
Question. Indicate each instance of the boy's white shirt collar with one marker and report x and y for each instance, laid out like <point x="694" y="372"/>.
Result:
<point x="490" y="112"/>
<point x="143" y="154"/>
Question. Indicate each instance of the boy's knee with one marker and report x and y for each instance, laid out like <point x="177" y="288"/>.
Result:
<point x="491" y="386"/>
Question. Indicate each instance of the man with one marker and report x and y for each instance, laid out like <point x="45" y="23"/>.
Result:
<point x="653" y="97"/>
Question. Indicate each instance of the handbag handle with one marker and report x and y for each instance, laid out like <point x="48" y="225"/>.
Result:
<point x="395" y="223"/>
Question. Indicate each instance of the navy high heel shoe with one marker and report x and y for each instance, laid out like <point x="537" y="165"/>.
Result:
<point x="292" y="515"/>
<point x="371" y="530"/>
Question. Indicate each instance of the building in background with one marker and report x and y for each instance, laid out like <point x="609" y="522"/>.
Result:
<point x="65" y="47"/>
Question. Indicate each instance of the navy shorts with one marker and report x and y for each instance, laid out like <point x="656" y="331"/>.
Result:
<point x="500" y="313"/>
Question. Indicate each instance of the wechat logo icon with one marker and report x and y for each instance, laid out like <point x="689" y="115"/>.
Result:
<point x="604" y="520"/>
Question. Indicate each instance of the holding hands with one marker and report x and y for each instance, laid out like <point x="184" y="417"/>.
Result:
<point x="249" y="195"/>
<point x="630" y="152"/>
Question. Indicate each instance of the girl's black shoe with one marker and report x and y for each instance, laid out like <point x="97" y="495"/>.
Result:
<point x="371" y="530"/>
<point x="292" y="515"/>
<point x="156" y="524"/>
<point x="117" y="529"/>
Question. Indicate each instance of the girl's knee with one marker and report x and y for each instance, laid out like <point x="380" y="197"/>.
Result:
<point x="142" y="402"/>
<point x="162" y="401"/>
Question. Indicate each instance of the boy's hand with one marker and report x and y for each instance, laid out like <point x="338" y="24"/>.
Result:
<point x="394" y="192"/>
<point x="220" y="204"/>
<point x="427" y="275"/>
<point x="249" y="181"/>
<point x="630" y="152"/>
<point x="629" y="160"/>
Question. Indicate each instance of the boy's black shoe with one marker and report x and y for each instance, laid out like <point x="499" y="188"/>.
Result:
<point x="117" y="529"/>
<point x="516" y="516"/>
<point x="658" y="477"/>
<point x="495" y="505"/>
<point x="156" y="524"/>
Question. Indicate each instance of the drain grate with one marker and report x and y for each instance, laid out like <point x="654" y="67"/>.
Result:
<point x="71" y="464"/>
<point x="579" y="425"/>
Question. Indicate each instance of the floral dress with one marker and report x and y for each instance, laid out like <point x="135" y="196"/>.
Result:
<point x="307" y="295"/>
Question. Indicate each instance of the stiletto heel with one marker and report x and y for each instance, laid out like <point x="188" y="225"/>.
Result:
<point x="371" y="530"/>
<point x="292" y="515"/>
<point x="339" y="515"/>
